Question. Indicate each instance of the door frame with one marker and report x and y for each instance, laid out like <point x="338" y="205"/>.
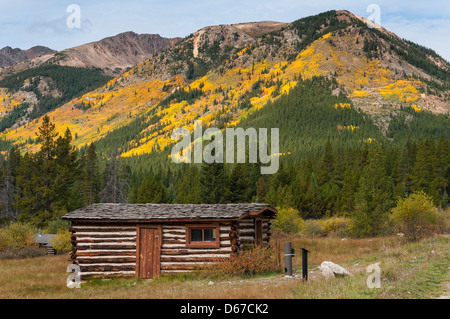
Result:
<point x="157" y="271"/>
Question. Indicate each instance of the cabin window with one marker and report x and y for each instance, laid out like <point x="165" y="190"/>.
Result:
<point x="202" y="236"/>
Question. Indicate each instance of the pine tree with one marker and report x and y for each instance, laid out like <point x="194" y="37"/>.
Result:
<point x="46" y="162"/>
<point x="116" y="183"/>
<point x="91" y="184"/>
<point x="261" y="190"/>
<point x="374" y="198"/>
<point x="67" y="171"/>
<point x="151" y="191"/>
<point x="8" y="191"/>
<point x="213" y="184"/>
<point x="240" y="188"/>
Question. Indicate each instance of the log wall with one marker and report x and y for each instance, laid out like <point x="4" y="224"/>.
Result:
<point x="246" y="232"/>
<point x="176" y="257"/>
<point x="104" y="250"/>
<point x="109" y="250"/>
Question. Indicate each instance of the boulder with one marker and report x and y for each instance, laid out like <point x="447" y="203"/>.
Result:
<point x="331" y="270"/>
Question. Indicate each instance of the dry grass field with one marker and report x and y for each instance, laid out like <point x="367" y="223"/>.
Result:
<point x="409" y="270"/>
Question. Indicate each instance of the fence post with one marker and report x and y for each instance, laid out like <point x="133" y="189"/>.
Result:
<point x="305" y="264"/>
<point x="288" y="254"/>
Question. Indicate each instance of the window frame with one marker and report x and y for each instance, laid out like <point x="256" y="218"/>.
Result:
<point x="202" y="244"/>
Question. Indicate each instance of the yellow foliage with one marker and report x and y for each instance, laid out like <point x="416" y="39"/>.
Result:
<point x="401" y="90"/>
<point x="416" y="108"/>
<point x="62" y="241"/>
<point x="342" y="105"/>
<point x="359" y="93"/>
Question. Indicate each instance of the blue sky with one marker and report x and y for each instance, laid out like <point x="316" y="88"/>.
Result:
<point x="25" y="23"/>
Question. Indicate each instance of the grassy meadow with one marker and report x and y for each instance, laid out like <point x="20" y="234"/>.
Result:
<point x="409" y="270"/>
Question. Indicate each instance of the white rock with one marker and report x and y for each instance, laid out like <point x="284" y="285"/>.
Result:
<point x="330" y="270"/>
<point x="210" y="283"/>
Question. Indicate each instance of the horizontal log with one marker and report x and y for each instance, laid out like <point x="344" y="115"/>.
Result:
<point x="246" y="232"/>
<point x="187" y="263"/>
<point x="177" y="246"/>
<point x="177" y="252"/>
<point x="246" y="238"/>
<point x="181" y="267"/>
<point x="92" y="253"/>
<point x="171" y="242"/>
<point x="96" y="268"/>
<point x="105" y="240"/>
<point x="174" y="272"/>
<point x="100" y="274"/>
<point x="100" y="259"/>
<point x="170" y="235"/>
<point x="192" y="259"/>
<point x="109" y="234"/>
<point x="103" y="235"/>
<point x="75" y="229"/>
<point x="182" y="226"/>
<point x="106" y="246"/>
<point x="101" y="224"/>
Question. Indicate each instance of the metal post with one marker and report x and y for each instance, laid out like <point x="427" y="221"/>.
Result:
<point x="288" y="254"/>
<point x="305" y="264"/>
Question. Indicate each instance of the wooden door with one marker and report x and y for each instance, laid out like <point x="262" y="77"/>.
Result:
<point x="258" y="231"/>
<point x="148" y="262"/>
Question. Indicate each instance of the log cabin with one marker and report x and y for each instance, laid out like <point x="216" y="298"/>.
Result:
<point x="148" y="240"/>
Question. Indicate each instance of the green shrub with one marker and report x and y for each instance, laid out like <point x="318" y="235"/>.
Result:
<point x="416" y="217"/>
<point x="288" y="221"/>
<point x="337" y="226"/>
<point x="314" y="228"/>
<point x="62" y="241"/>
<point x="5" y="239"/>
<point x="21" y="235"/>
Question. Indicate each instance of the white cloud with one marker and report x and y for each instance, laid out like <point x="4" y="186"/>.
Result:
<point x="30" y="22"/>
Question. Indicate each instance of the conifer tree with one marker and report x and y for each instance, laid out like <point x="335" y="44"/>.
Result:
<point x="374" y="197"/>
<point x="116" y="182"/>
<point x="213" y="184"/>
<point x="91" y="184"/>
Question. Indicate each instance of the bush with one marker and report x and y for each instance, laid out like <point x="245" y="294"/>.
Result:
<point x="247" y="262"/>
<point x="62" y="241"/>
<point x="16" y="241"/>
<point x="5" y="239"/>
<point x="288" y="221"/>
<point x="416" y="217"/>
<point x="314" y="228"/>
<point x="337" y="226"/>
<point x="29" y="252"/>
<point x="21" y="235"/>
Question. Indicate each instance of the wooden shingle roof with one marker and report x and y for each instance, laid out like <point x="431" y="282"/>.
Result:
<point x="160" y="212"/>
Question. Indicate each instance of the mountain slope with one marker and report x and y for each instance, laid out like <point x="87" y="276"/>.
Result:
<point x="10" y="56"/>
<point x="37" y="92"/>
<point x="222" y="74"/>
<point x="112" y="54"/>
